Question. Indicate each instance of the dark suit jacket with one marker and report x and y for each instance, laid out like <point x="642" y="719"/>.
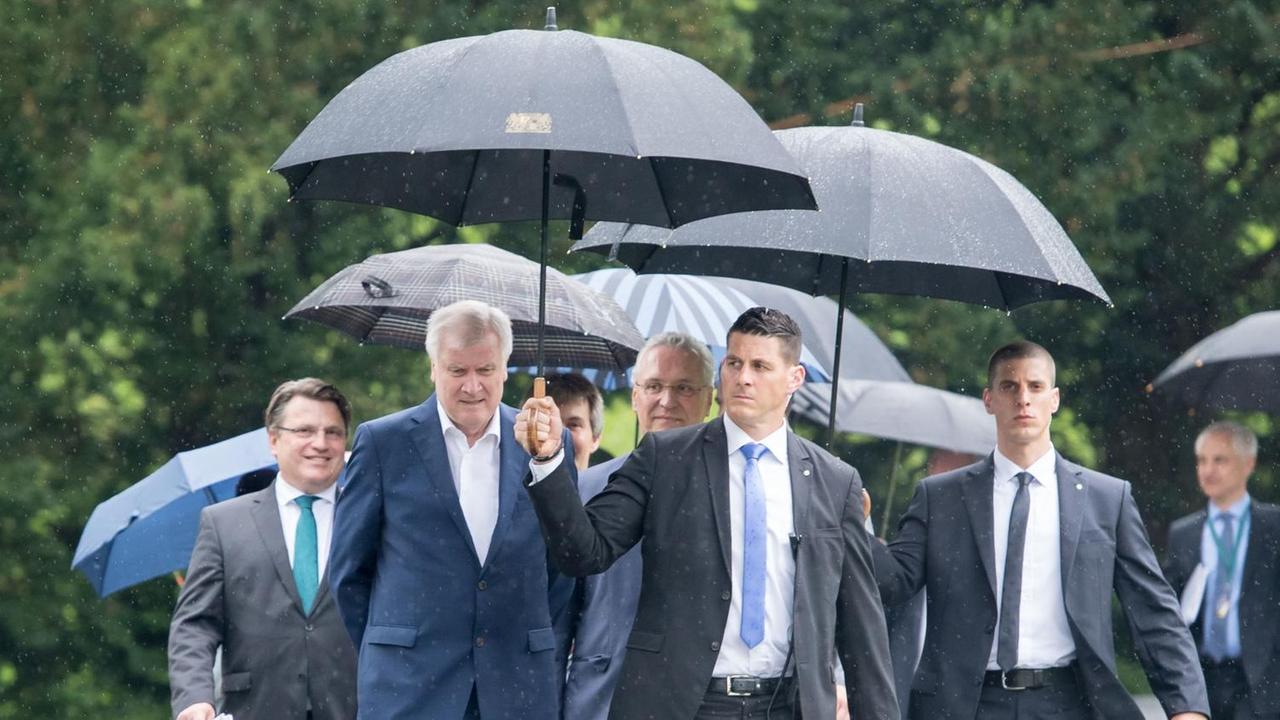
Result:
<point x="240" y="594"/>
<point x="1259" y="595"/>
<point x="430" y="622"/>
<point x="604" y="612"/>
<point x="945" y="543"/>
<point x="674" y="492"/>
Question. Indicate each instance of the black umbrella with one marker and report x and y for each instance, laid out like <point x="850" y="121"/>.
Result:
<point x="536" y="125"/>
<point x="900" y="214"/>
<point x="386" y="300"/>
<point x="1235" y="368"/>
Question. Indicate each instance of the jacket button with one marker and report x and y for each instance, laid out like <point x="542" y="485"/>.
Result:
<point x="482" y="585"/>
<point x="480" y="642"/>
<point x="715" y="646"/>
<point x="310" y="627"/>
<point x="725" y="595"/>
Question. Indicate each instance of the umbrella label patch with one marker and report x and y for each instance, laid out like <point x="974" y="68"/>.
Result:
<point x="520" y="122"/>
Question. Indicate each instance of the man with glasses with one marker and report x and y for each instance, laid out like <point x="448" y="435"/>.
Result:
<point x="671" y="388"/>
<point x="256" y="583"/>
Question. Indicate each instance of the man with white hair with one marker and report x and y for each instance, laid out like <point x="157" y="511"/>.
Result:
<point x="438" y="566"/>
<point x="1235" y="540"/>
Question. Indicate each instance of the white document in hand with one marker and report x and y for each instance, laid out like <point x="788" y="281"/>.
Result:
<point x="1193" y="594"/>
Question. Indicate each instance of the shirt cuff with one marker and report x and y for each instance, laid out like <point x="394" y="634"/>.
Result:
<point x="541" y="470"/>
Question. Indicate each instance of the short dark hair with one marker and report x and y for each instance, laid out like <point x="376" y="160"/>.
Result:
<point x="1019" y="350"/>
<point x="767" y="322"/>
<point x="308" y="387"/>
<point x="565" y="388"/>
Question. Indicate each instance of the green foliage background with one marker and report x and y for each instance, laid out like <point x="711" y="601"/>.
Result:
<point x="146" y="255"/>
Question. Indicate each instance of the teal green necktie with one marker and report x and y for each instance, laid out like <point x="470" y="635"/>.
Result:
<point x="306" y="566"/>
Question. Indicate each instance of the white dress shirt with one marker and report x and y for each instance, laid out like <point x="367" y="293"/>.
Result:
<point x="475" y="476"/>
<point x="1044" y="638"/>
<point x="322" y="509"/>
<point x="768" y="658"/>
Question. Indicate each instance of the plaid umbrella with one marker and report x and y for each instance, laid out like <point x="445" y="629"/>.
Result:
<point x="386" y="300"/>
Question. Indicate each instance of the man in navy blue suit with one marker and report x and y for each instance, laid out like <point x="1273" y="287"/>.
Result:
<point x="671" y="388"/>
<point x="438" y="566"/>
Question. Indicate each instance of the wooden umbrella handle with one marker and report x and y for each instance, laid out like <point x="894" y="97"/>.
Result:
<point x="539" y="391"/>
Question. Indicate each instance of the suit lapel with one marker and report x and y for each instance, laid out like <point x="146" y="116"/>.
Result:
<point x="513" y="463"/>
<point x="977" y="493"/>
<point x="801" y="468"/>
<point x="266" y="518"/>
<point x="1071" y="505"/>
<point x="715" y="457"/>
<point x="428" y="440"/>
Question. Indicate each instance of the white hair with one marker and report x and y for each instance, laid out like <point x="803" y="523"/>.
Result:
<point x="1242" y="439"/>
<point x="687" y="343"/>
<point x="468" y="321"/>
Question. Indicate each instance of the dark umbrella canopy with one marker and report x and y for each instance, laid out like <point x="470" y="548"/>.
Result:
<point x="457" y="129"/>
<point x="1235" y="368"/>
<point x="386" y="300"/>
<point x="918" y="217"/>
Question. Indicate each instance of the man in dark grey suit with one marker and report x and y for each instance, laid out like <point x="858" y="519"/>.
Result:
<point x="256" y="583"/>
<point x="671" y="388"/>
<point x="1237" y="541"/>
<point x="755" y="559"/>
<point x="1020" y="554"/>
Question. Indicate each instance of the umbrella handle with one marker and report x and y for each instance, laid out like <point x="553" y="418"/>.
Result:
<point x="539" y="391"/>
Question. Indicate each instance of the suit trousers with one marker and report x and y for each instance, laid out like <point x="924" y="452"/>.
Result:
<point x="1060" y="701"/>
<point x="755" y="707"/>
<point x="1228" y="690"/>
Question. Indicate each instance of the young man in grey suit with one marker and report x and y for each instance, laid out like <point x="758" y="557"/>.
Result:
<point x="1237" y="540"/>
<point x="257" y="587"/>
<point x="671" y="388"/>
<point x="1020" y="554"/>
<point x="756" y="565"/>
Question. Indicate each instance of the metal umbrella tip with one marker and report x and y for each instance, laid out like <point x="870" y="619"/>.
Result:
<point x="551" y="19"/>
<point x="857" y="116"/>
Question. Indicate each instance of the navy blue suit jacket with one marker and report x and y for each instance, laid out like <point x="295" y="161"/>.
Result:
<point x="429" y="622"/>
<point x="602" y="620"/>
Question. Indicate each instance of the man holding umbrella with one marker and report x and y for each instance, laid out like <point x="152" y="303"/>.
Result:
<point x="755" y="558"/>
<point x="439" y="571"/>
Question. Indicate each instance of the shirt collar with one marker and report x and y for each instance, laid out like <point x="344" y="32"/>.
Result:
<point x="1237" y="508"/>
<point x="446" y="424"/>
<point x="776" y="441"/>
<point x="1044" y="469"/>
<point x="286" y="493"/>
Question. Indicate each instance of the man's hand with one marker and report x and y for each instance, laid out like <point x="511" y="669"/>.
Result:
<point x="199" y="711"/>
<point x="546" y="419"/>
<point x="1188" y="716"/>
<point x="842" y="703"/>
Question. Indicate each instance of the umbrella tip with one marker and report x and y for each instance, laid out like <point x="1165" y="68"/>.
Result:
<point x="551" y="19"/>
<point x="857" y="116"/>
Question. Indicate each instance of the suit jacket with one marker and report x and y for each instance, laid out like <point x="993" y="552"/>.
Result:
<point x="1259" y="595"/>
<point x="674" y="491"/>
<point x="945" y="544"/>
<point x="429" y="621"/>
<point x="240" y="594"/>
<point x="604" y="612"/>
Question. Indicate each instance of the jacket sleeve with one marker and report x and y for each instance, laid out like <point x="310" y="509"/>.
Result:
<point x="196" y="629"/>
<point x="357" y="535"/>
<point x="900" y="567"/>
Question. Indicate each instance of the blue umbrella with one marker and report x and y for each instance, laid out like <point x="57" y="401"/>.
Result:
<point x="150" y="528"/>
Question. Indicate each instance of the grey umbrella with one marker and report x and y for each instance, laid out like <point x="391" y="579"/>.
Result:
<point x="386" y="300"/>
<point x="1235" y="368"/>
<point x="535" y="125"/>
<point x="900" y="214"/>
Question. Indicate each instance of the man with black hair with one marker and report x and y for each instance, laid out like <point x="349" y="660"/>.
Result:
<point x="582" y="410"/>
<point x="757" y="570"/>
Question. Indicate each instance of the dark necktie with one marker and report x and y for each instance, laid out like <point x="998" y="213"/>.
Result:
<point x="1011" y="593"/>
<point x="306" y="564"/>
<point x="754" y="547"/>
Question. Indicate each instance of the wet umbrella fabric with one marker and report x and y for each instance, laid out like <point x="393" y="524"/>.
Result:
<point x="1235" y="368"/>
<point x="150" y="528"/>
<point x="386" y="300"/>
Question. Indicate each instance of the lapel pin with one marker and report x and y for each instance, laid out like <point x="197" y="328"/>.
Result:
<point x="1079" y="486"/>
<point x="805" y="473"/>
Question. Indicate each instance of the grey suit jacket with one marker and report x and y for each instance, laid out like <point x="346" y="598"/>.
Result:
<point x="945" y="543"/>
<point x="1259" y="596"/>
<point x="674" y="492"/>
<point x="240" y="594"/>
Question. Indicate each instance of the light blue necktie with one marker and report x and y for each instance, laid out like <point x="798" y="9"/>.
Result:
<point x="1223" y="584"/>
<point x="306" y="566"/>
<point x="755" y="549"/>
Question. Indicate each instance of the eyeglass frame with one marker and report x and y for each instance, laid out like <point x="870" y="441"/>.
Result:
<point x="307" y="432"/>
<point x="649" y="388"/>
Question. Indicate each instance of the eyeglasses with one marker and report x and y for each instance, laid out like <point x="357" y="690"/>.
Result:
<point x="684" y="390"/>
<point x="308" y="432"/>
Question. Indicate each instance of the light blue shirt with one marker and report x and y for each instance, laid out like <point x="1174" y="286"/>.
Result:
<point x="1209" y="558"/>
